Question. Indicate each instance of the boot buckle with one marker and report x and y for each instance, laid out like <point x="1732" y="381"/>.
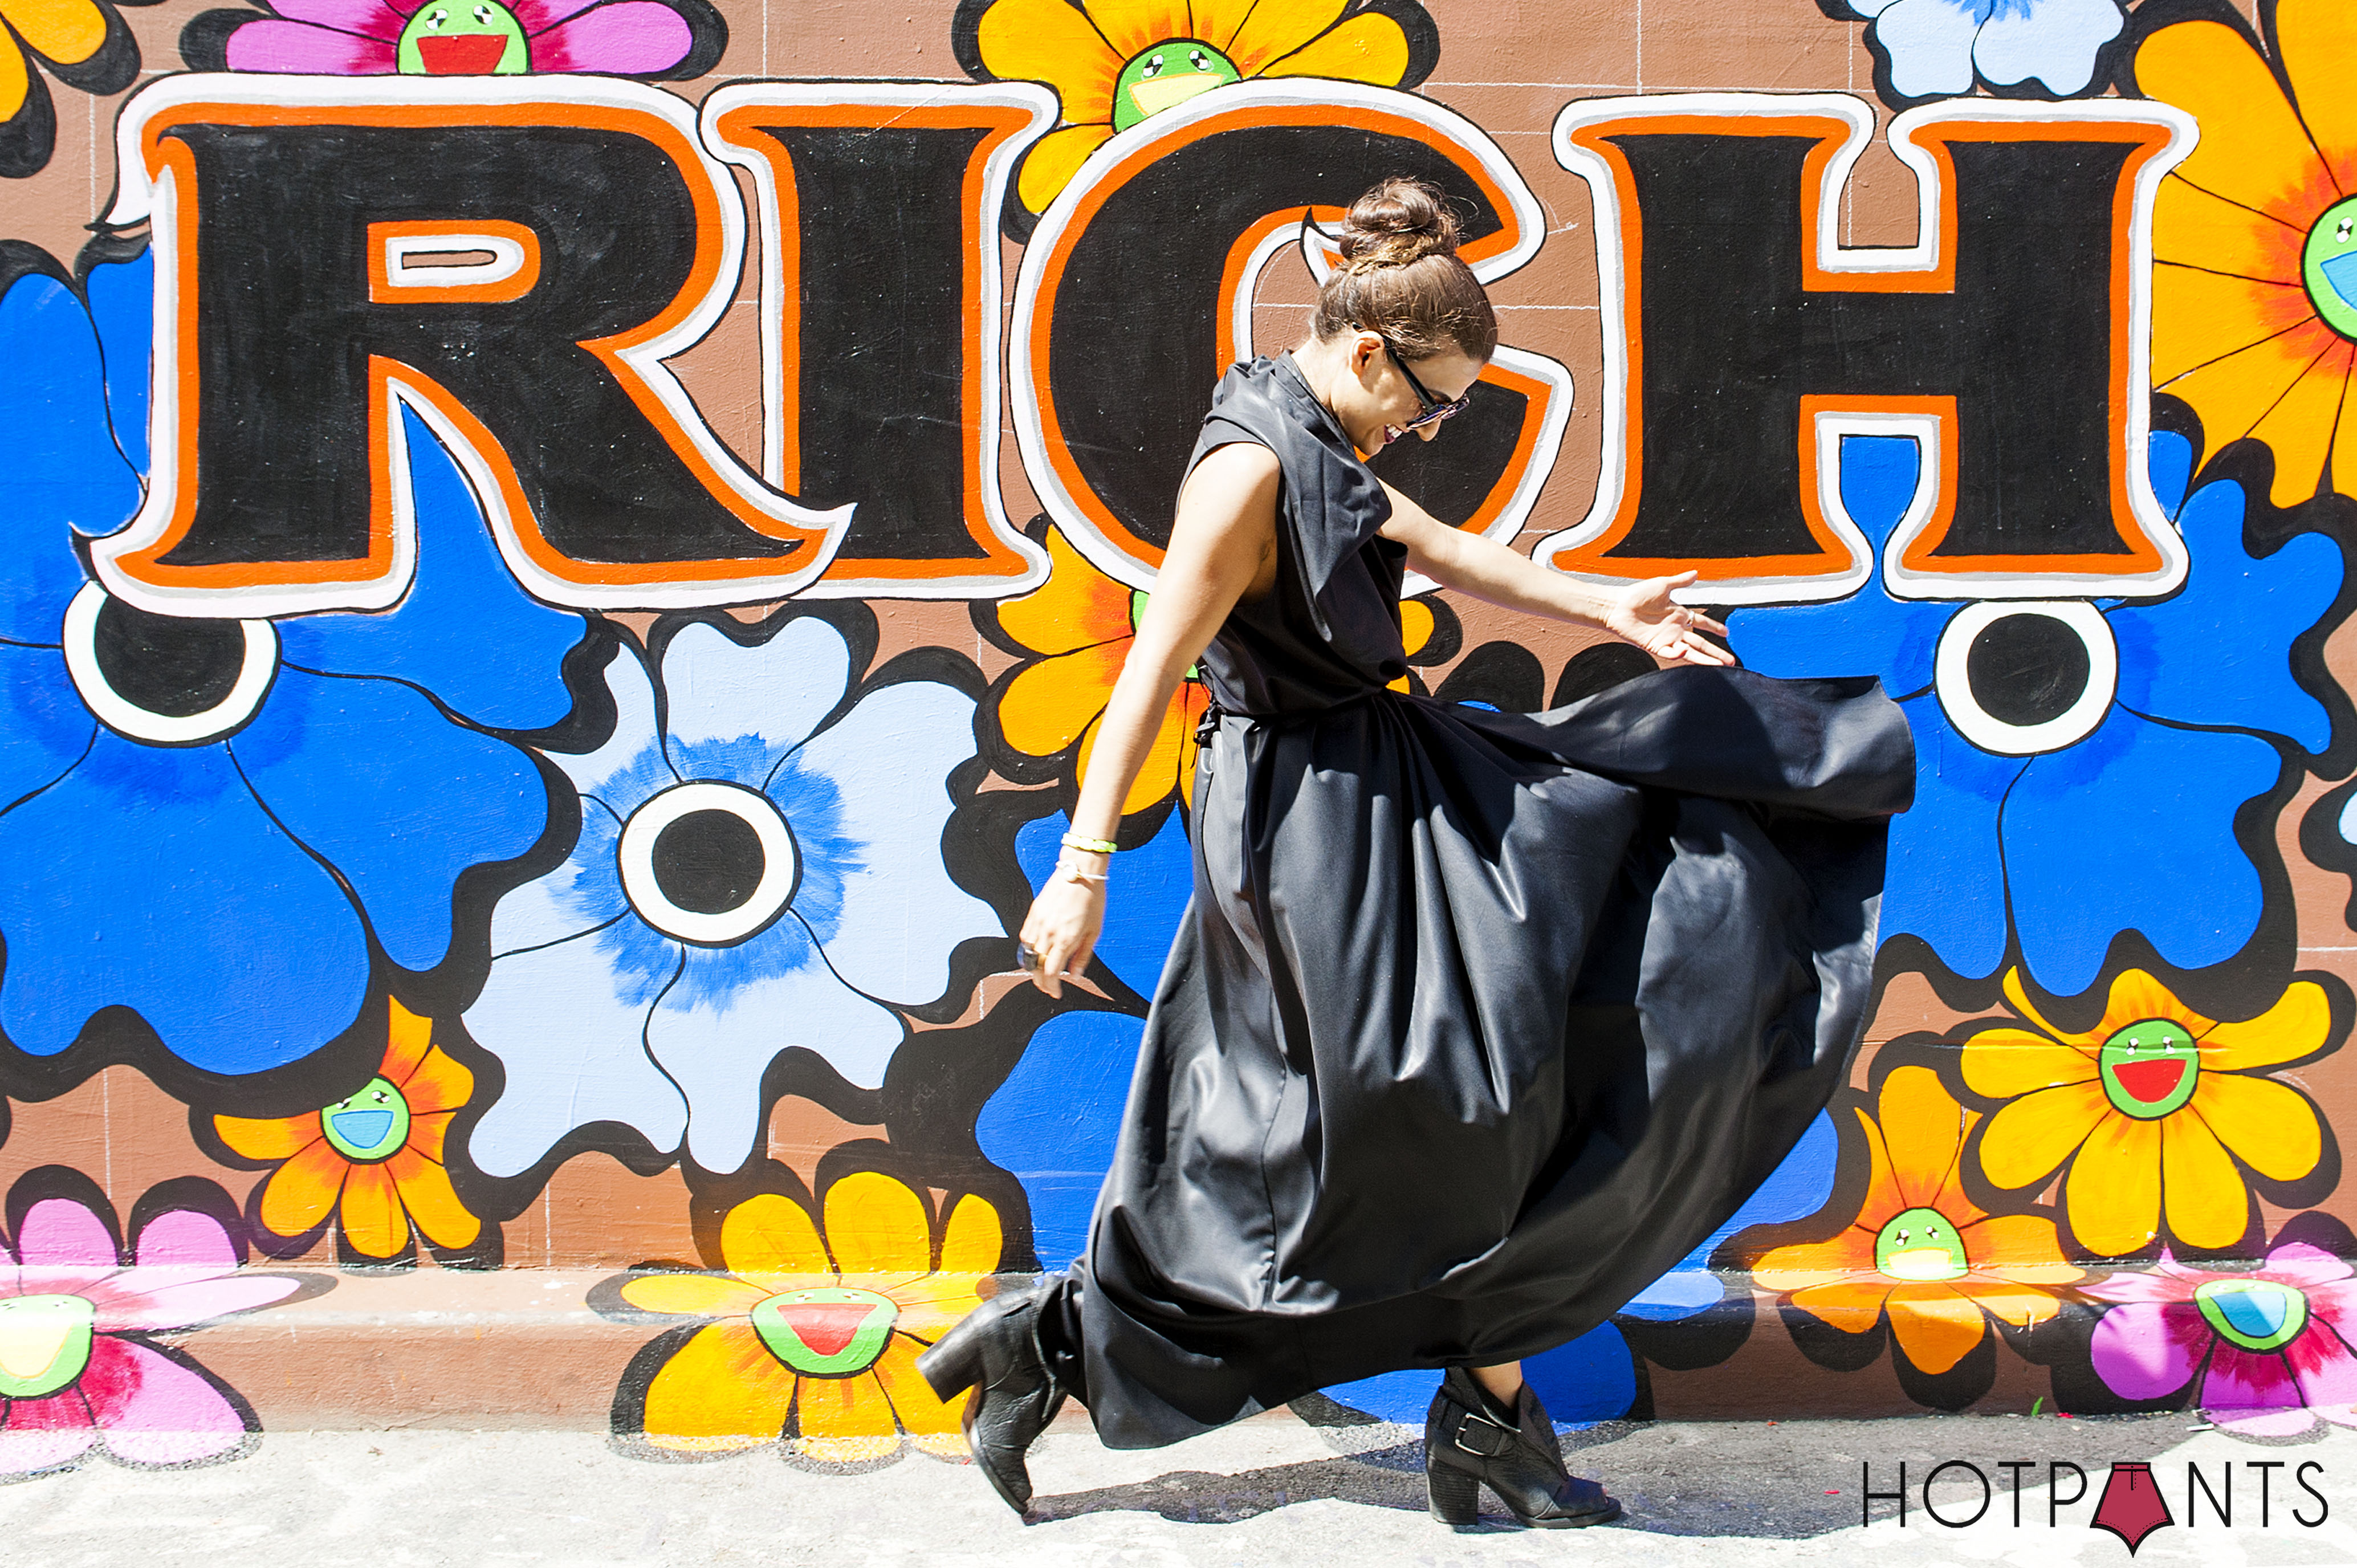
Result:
<point x="1497" y="1433"/>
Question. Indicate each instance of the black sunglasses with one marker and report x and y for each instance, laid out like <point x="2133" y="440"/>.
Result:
<point x="1431" y="409"/>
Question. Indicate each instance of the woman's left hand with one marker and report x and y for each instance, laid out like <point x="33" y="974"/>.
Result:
<point x="1646" y="615"/>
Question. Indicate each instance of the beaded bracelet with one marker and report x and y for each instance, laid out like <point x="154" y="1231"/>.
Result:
<point x="1094" y="846"/>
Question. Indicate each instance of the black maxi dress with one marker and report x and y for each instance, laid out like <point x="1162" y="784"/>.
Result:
<point x="1477" y="1022"/>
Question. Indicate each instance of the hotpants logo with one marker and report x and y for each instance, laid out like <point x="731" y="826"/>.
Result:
<point x="2133" y="1503"/>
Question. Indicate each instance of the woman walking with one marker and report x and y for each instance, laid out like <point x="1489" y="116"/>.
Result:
<point x="1477" y="1022"/>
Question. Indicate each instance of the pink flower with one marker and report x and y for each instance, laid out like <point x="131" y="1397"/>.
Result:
<point x="77" y="1367"/>
<point x="460" y="38"/>
<point x="2275" y="1339"/>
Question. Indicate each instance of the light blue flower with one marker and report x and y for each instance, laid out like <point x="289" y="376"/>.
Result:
<point x="1937" y="48"/>
<point x="205" y="821"/>
<point x="751" y="877"/>
<point x="2089" y="803"/>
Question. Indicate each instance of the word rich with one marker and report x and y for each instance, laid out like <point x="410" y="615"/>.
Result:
<point x="511" y="263"/>
<point x="2133" y="1503"/>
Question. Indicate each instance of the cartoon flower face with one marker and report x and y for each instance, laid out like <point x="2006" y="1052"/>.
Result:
<point x="269" y="794"/>
<point x="812" y="1339"/>
<point x="2255" y="283"/>
<point x="2271" y="1346"/>
<point x="648" y="39"/>
<point x="78" y="1369"/>
<point x="2074" y="757"/>
<point x="1117" y="62"/>
<point x="1918" y="1249"/>
<point x="373" y="1159"/>
<point x="1935" y="49"/>
<point x="2152" y="1108"/>
<point x="759" y="871"/>
<point x="82" y="42"/>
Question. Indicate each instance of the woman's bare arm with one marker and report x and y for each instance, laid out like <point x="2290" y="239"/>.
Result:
<point x="1221" y="545"/>
<point x="1644" y="613"/>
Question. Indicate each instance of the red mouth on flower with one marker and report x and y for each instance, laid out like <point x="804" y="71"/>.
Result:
<point x="462" y="54"/>
<point x="2151" y="1081"/>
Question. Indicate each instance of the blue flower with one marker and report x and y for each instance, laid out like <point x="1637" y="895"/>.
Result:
<point x="2079" y="762"/>
<point x="750" y="879"/>
<point x="206" y="820"/>
<point x="1937" y="48"/>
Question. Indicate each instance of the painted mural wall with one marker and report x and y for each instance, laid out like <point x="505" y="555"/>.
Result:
<point x="559" y="564"/>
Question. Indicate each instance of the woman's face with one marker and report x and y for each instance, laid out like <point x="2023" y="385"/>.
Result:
<point x="1377" y="403"/>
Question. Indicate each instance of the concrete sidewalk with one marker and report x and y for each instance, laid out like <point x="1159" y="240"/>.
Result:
<point x="1275" y="1489"/>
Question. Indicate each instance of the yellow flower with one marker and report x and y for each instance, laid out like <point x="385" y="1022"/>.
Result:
<point x="812" y="1339"/>
<point x="1919" y="1248"/>
<point x="2151" y="1108"/>
<point x="1114" y="62"/>
<point x="2255" y="236"/>
<point x="84" y="35"/>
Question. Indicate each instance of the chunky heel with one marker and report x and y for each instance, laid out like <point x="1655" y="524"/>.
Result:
<point x="1456" y="1496"/>
<point x="954" y="1364"/>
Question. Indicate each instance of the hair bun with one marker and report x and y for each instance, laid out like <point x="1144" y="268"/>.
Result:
<point x="1399" y="222"/>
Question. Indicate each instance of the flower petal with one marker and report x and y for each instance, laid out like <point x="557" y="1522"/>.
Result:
<point x="299" y="49"/>
<point x="1929" y="45"/>
<point x="1370" y="47"/>
<point x="429" y="1131"/>
<point x="2112" y="1193"/>
<point x="300" y="1193"/>
<point x="59" y="1232"/>
<point x="1807" y="1264"/>
<point x="185" y="1240"/>
<point x="41" y="1435"/>
<point x="1934" y="1327"/>
<point x="2135" y="997"/>
<point x="973" y="1241"/>
<point x="888" y="765"/>
<point x="1923" y="1128"/>
<point x="874" y="1225"/>
<point x="2300" y="426"/>
<point x="2029" y="1138"/>
<point x="66" y="31"/>
<point x="432" y="1202"/>
<point x="693" y="1295"/>
<point x="769" y="697"/>
<point x="720" y="1391"/>
<point x="1048" y="705"/>
<point x="623" y="38"/>
<point x="2243" y="1380"/>
<point x="2003" y="1063"/>
<point x="2296" y="1027"/>
<point x="2018" y="1304"/>
<point x="268" y="1140"/>
<point x="1883" y="1196"/>
<point x="2023" y="1248"/>
<point x="2056" y="42"/>
<point x="2191" y="228"/>
<point x="1050" y="41"/>
<point x="167" y="1306"/>
<point x="155" y="1410"/>
<point x="2253" y="149"/>
<point x="768" y="1234"/>
<point x="914" y="1403"/>
<point x="371" y="1212"/>
<point x="369" y="18"/>
<point x="569" y="1030"/>
<point x="2207" y="1204"/>
<point x="2270" y="1126"/>
<point x="2309" y="1268"/>
<point x="2326" y="1371"/>
<point x="844" y="1421"/>
<point x="1273" y="29"/>
<point x="401" y="837"/>
<point x="2315" y="41"/>
<point x="1053" y="161"/>
<point x="439" y="1082"/>
<point x="1132" y="27"/>
<point x="2149" y="1349"/>
<point x="1851" y="1306"/>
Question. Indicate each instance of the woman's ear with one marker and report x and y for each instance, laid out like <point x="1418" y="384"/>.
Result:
<point x="1364" y="349"/>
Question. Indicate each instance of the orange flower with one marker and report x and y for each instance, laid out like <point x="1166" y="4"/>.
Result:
<point x="1084" y="622"/>
<point x="1922" y="1251"/>
<point x="1116" y="62"/>
<point x="813" y="1340"/>
<point x="373" y="1158"/>
<point x="2152" y="1108"/>
<point x="2255" y="238"/>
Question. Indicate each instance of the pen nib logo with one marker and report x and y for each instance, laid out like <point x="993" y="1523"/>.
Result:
<point x="2132" y="1506"/>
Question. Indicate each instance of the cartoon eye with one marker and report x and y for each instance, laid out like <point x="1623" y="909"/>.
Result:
<point x="437" y="18"/>
<point x="1199" y="59"/>
<point x="2343" y="233"/>
<point x="380" y="1099"/>
<point x="1153" y="68"/>
<point x="1902" y="1236"/>
<point x="483" y="15"/>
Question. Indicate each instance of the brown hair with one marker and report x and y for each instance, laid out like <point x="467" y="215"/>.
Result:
<point x="1400" y="277"/>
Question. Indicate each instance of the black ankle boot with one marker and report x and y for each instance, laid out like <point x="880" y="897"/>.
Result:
<point x="1467" y="1447"/>
<point x="995" y="1351"/>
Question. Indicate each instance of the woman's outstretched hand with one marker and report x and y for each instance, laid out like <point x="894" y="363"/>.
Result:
<point x="1646" y="615"/>
<point x="1062" y="932"/>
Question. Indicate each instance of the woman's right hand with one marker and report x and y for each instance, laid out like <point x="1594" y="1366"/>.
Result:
<point x="1062" y="930"/>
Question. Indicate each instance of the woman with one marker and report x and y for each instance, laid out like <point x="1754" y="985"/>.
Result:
<point x="1479" y="1022"/>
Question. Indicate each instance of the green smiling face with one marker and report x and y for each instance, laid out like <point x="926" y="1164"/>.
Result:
<point x="832" y="1331"/>
<point x="370" y="1125"/>
<point x="1920" y="1244"/>
<point x="2256" y="1314"/>
<point x="1166" y="76"/>
<point x="463" y="37"/>
<point x="2327" y="266"/>
<point x="2149" y="1068"/>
